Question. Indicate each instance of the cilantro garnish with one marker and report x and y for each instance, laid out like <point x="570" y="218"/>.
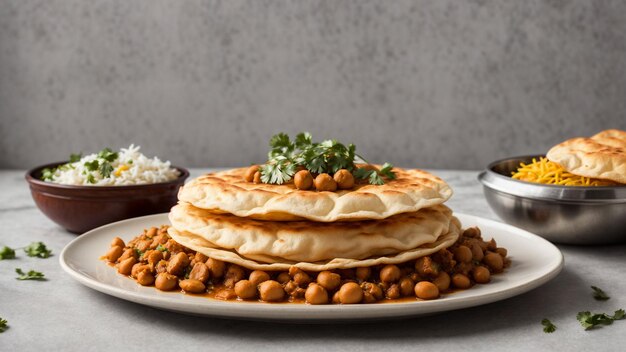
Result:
<point x="589" y="320"/>
<point x="92" y="165"/>
<point x="37" y="249"/>
<point x="75" y="157"/>
<point x="30" y="275"/>
<point x="107" y="154"/>
<point x="7" y="253"/>
<point x="161" y="248"/>
<point x="329" y="156"/>
<point x="599" y="295"/>
<point x="101" y="164"/>
<point x="4" y="325"/>
<point x="548" y="327"/>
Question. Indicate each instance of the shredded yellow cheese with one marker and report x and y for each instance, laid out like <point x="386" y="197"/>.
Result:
<point x="551" y="173"/>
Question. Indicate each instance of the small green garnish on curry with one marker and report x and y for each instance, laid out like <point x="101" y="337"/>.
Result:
<point x="138" y="252"/>
<point x="7" y="253"/>
<point x="599" y="294"/>
<point x="548" y="327"/>
<point x="161" y="248"/>
<point x="37" y="249"/>
<point x="589" y="320"/>
<point x="4" y="325"/>
<point x="30" y="275"/>
<point x="329" y="156"/>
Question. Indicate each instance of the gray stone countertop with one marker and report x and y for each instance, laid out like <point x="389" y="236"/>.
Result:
<point x="61" y="314"/>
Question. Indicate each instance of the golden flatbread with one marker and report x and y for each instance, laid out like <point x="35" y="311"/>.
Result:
<point x="306" y="241"/>
<point x="228" y="192"/>
<point x="602" y="156"/>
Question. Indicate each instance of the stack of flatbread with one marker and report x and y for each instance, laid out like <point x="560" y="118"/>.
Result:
<point x="602" y="156"/>
<point x="274" y="227"/>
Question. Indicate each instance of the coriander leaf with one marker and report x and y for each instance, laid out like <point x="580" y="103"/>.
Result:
<point x="280" y="140"/>
<point x="105" y="169"/>
<point x="47" y="174"/>
<point x="130" y="161"/>
<point x="598" y="294"/>
<point x="548" y="327"/>
<point x="362" y="173"/>
<point x="91" y="179"/>
<point x="37" y="249"/>
<point x="107" y="154"/>
<point x="279" y="172"/>
<point x="3" y="325"/>
<point x="161" y="248"/>
<point x="7" y="253"/>
<point x="30" y="275"/>
<point x="375" y="178"/>
<point x="588" y="320"/>
<point x="303" y="140"/>
<point x="139" y="253"/>
<point x="92" y="165"/>
<point x="75" y="157"/>
<point x="387" y="171"/>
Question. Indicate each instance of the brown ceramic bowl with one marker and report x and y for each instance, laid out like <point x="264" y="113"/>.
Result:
<point x="82" y="208"/>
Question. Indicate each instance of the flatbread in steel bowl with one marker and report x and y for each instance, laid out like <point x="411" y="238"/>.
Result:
<point x="228" y="192"/>
<point x="602" y="156"/>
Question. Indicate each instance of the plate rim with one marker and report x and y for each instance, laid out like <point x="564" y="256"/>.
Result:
<point x="305" y="312"/>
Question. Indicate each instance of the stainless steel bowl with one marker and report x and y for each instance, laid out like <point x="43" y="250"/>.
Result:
<point x="562" y="214"/>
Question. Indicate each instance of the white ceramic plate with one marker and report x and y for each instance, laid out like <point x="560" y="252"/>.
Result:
<point x="535" y="261"/>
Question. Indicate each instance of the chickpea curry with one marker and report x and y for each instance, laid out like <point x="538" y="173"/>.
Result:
<point x="153" y="258"/>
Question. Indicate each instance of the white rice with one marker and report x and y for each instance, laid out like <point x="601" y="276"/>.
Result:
<point x="140" y="170"/>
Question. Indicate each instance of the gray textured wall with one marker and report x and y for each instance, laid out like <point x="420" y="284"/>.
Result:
<point x="445" y="84"/>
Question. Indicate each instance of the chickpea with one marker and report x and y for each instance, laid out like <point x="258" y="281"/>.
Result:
<point x="350" y="293"/>
<point x="316" y="294"/>
<point x="283" y="278"/>
<point x="217" y="267"/>
<point x="257" y="177"/>
<point x="461" y="281"/>
<point x="463" y="254"/>
<point x="145" y="278"/>
<point x="192" y="286"/>
<point x="426" y="290"/>
<point x="344" y="179"/>
<point x="125" y="266"/>
<point x="114" y="253"/>
<point x="335" y="299"/>
<point x="178" y="263"/>
<point x="200" y="272"/>
<point x="426" y="268"/>
<point x="127" y="254"/>
<point x="118" y="242"/>
<point x="161" y="267"/>
<point x="393" y="292"/>
<point x="472" y="232"/>
<point x="155" y="257"/>
<point x="329" y="280"/>
<point x="166" y="282"/>
<point x="299" y="277"/>
<point x="477" y="252"/>
<point x="494" y="261"/>
<point x="249" y="176"/>
<point x="143" y="246"/>
<point x="390" y="273"/>
<point x="258" y="276"/>
<point x="245" y="289"/>
<point x="138" y="268"/>
<point x="362" y="274"/>
<point x="303" y="180"/>
<point x="502" y="251"/>
<point x="234" y="273"/>
<point x="481" y="275"/>
<point x="271" y="291"/>
<point x="200" y="258"/>
<point x="373" y="290"/>
<point x="491" y="245"/>
<point x="151" y="232"/>
<point x="323" y="182"/>
<point x="442" y="281"/>
<point x="406" y="286"/>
